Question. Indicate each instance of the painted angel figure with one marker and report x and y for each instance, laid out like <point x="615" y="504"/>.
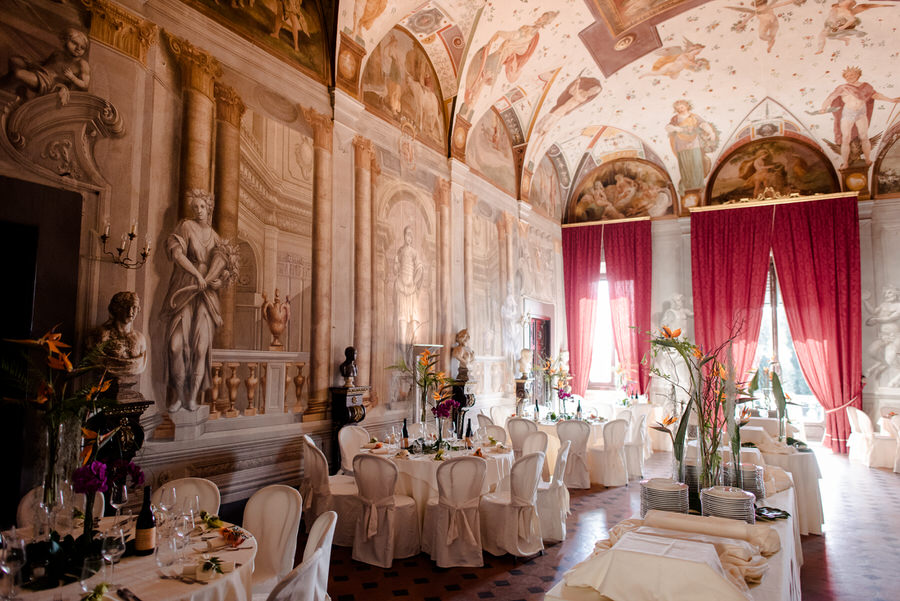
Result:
<point x="764" y="12"/>
<point x="841" y="22"/>
<point x="676" y="59"/>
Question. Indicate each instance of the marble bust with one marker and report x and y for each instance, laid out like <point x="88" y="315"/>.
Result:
<point x="525" y="362"/>
<point x="123" y="350"/>
<point x="463" y="353"/>
<point x="348" y="367"/>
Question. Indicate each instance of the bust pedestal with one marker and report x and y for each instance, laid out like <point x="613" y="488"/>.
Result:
<point x="464" y="394"/>
<point x="523" y="393"/>
<point x="346" y="408"/>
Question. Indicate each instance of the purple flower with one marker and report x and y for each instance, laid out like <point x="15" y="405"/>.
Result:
<point x="90" y="478"/>
<point x="122" y="470"/>
<point x="444" y="408"/>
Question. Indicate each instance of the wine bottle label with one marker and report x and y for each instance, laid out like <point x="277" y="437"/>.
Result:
<point x="144" y="539"/>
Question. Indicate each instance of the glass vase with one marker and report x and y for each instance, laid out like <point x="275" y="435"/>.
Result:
<point x="440" y="433"/>
<point x="677" y="467"/>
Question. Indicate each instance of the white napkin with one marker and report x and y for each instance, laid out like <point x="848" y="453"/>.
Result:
<point x="760" y="535"/>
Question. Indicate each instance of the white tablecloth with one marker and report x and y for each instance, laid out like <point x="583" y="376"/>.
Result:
<point x="805" y="470"/>
<point x="770" y="425"/>
<point x="141" y="576"/>
<point x="418" y="475"/>
<point x="781" y="583"/>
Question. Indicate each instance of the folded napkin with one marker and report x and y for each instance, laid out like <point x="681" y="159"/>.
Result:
<point x="780" y="479"/>
<point x="760" y="535"/>
<point x="373" y="445"/>
<point x="382" y="451"/>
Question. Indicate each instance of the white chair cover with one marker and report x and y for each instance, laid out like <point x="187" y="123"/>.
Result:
<point x="389" y="524"/>
<point x="888" y="427"/>
<point x="553" y="500"/>
<point x="272" y="515"/>
<point x="518" y="428"/>
<point x="646" y="410"/>
<point x="309" y="580"/>
<point x="452" y="529"/>
<point x="28" y="505"/>
<point x="186" y="488"/>
<point x="534" y="442"/>
<point x="484" y="420"/>
<point x="895" y="420"/>
<point x="496" y="432"/>
<point x="578" y="474"/>
<point x="857" y="442"/>
<point x="625" y="414"/>
<point x="634" y="450"/>
<point x="499" y="414"/>
<point x="608" y="465"/>
<point x="322" y="493"/>
<point x="880" y="448"/>
<point x="509" y="520"/>
<point x="351" y="439"/>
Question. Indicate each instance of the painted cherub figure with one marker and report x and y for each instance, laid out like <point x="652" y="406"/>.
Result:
<point x="841" y="22"/>
<point x="764" y="12"/>
<point x="62" y="71"/>
<point x="676" y="59"/>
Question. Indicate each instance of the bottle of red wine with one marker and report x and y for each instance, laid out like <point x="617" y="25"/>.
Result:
<point x="404" y="435"/>
<point x="145" y="530"/>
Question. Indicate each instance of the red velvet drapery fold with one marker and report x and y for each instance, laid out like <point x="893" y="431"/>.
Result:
<point x="729" y="267"/>
<point x="629" y="271"/>
<point x="582" y="257"/>
<point x="816" y="248"/>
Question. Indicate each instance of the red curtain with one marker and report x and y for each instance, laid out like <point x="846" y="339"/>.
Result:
<point x="629" y="271"/>
<point x="816" y="248"/>
<point x="729" y="266"/>
<point x="582" y="257"/>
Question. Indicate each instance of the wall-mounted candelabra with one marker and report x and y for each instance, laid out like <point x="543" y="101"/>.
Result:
<point x="122" y="254"/>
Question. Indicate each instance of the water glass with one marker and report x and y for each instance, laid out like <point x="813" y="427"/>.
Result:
<point x="112" y="550"/>
<point x="184" y="525"/>
<point x="168" y="557"/>
<point x="168" y="498"/>
<point x="91" y="573"/>
<point x="12" y="558"/>
<point x="192" y="508"/>
<point x="118" y="497"/>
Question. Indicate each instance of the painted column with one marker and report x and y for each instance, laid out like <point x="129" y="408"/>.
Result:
<point x="320" y="367"/>
<point x="229" y="110"/>
<point x="469" y="200"/>
<point x="198" y="72"/>
<point x="510" y="256"/>
<point x="363" y="157"/>
<point x="445" y="303"/>
<point x="502" y="235"/>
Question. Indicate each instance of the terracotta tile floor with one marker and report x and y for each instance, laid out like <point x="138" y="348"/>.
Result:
<point x="855" y="559"/>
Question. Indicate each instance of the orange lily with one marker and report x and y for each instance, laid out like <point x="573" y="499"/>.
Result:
<point x="52" y="341"/>
<point x="669" y="420"/>
<point x="696" y="352"/>
<point x="60" y="361"/>
<point x="101" y="386"/>
<point x="669" y="333"/>
<point x="43" y="394"/>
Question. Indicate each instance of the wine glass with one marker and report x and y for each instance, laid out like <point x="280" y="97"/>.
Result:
<point x="91" y="573"/>
<point x="168" y="557"/>
<point x="113" y="548"/>
<point x="184" y="524"/>
<point x="118" y="497"/>
<point x="12" y="558"/>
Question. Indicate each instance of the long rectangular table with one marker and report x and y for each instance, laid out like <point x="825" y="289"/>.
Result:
<point x="781" y="583"/>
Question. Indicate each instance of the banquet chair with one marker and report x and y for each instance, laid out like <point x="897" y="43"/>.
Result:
<point x="452" y="531"/>
<point x="895" y="420"/>
<point x="625" y="414"/>
<point x="608" y="465"/>
<point x="322" y="493"/>
<point x="645" y="410"/>
<point x="186" y="488"/>
<point x="634" y="449"/>
<point x="272" y="516"/>
<point x="309" y="580"/>
<point x="351" y="439"/>
<point x="28" y="506"/>
<point x="388" y="526"/>
<point x="519" y="428"/>
<point x="537" y="441"/>
<point x="553" y="500"/>
<point x="499" y="415"/>
<point x="496" y="432"/>
<point x="509" y="520"/>
<point x="888" y="428"/>
<point x="484" y="420"/>
<point x="577" y="474"/>
<point x="879" y="449"/>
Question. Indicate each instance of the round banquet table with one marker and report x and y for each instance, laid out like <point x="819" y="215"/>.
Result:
<point x="142" y="577"/>
<point x="595" y="439"/>
<point x="418" y="474"/>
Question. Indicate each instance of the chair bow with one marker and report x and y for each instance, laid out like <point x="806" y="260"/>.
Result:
<point x="577" y="455"/>
<point x="528" y="518"/>
<point x="306" y="491"/>
<point x="562" y="492"/>
<point x="459" y="520"/>
<point x="370" y="513"/>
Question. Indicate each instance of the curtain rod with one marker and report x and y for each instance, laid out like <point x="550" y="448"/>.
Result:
<point x="773" y="201"/>
<point x="584" y="223"/>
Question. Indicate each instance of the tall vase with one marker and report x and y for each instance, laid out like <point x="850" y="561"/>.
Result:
<point x="88" y="518"/>
<point x="677" y="467"/>
<point x="424" y="408"/>
<point x="781" y="428"/>
<point x="51" y="471"/>
<point x="440" y="432"/>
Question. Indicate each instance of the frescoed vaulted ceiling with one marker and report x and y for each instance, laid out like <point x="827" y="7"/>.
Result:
<point x="596" y="80"/>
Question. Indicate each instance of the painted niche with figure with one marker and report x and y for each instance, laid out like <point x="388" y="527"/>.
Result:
<point x="777" y="166"/>
<point x="489" y="152"/>
<point x="399" y="84"/>
<point x="623" y="189"/>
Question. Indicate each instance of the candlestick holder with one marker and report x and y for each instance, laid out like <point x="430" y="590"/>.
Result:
<point x="122" y="254"/>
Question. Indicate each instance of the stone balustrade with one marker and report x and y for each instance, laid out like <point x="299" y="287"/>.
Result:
<point x="250" y="383"/>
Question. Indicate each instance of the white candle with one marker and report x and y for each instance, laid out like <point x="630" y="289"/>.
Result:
<point x="106" y="230"/>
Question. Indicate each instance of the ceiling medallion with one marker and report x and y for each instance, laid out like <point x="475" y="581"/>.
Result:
<point x="624" y="42"/>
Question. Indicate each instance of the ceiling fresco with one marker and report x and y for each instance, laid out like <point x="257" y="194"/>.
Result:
<point x="681" y="80"/>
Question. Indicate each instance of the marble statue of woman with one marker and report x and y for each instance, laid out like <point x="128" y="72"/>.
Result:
<point x="192" y="303"/>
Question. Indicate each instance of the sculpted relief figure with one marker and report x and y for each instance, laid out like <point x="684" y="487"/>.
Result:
<point x="677" y="315"/>
<point x="62" y="71"/>
<point x="885" y="349"/>
<point x="277" y="314"/>
<point x="409" y="273"/>
<point x="191" y="308"/>
<point x="124" y="350"/>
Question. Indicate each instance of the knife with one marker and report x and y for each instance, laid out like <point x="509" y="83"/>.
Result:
<point x="127" y="595"/>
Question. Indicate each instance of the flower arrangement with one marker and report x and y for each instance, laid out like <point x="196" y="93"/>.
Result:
<point x="782" y="400"/>
<point x="96" y="476"/>
<point x="432" y="382"/>
<point x="712" y="393"/>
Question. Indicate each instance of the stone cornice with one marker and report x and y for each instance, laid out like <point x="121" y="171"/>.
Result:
<point x="229" y="106"/>
<point x="322" y="126"/>
<point x="119" y="29"/>
<point x="199" y="68"/>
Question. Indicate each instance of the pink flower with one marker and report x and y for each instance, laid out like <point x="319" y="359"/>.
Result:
<point x="90" y="479"/>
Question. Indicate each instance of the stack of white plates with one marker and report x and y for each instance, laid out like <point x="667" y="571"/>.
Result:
<point x="728" y="502"/>
<point x="664" y="494"/>
<point x="752" y="478"/>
